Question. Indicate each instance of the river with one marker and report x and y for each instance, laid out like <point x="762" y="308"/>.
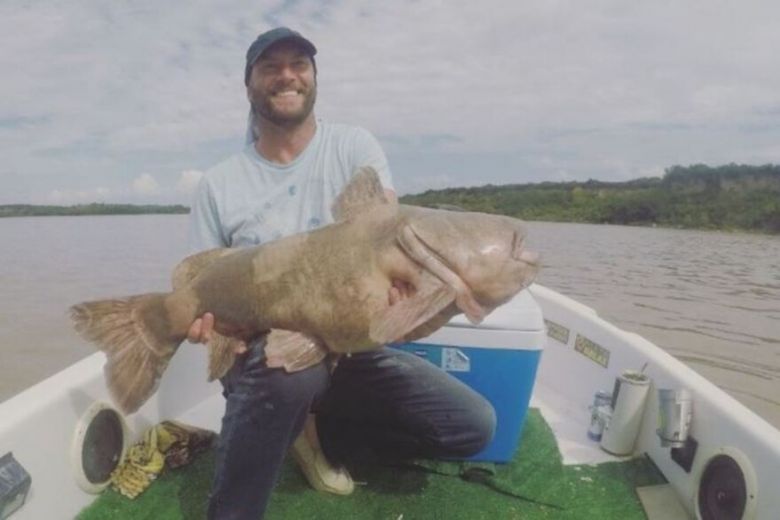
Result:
<point x="711" y="299"/>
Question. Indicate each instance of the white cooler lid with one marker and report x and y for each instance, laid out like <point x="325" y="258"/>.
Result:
<point x="522" y="313"/>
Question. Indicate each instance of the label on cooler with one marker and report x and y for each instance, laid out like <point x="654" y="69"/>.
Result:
<point x="454" y="360"/>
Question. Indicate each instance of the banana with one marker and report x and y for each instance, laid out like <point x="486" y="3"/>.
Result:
<point x="150" y="439"/>
<point x="146" y="459"/>
<point x="164" y="438"/>
<point x="129" y="480"/>
<point x="154" y="464"/>
<point x="141" y="465"/>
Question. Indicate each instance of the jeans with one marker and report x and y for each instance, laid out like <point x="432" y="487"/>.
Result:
<point x="379" y="405"/>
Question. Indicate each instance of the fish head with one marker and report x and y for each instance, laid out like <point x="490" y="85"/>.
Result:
<point x="486" y="253"/>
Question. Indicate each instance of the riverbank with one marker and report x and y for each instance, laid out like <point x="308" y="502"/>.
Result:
<point x="732" y="197"/>
<point x="32" y="210"/>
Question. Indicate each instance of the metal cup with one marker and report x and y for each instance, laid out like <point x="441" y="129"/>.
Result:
<point x="675" y="410"/>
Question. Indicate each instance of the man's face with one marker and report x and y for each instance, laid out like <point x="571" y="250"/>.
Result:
<point x="282" y="86"/>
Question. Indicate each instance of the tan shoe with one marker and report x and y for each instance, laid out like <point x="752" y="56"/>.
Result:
<point x="318" y="471"/>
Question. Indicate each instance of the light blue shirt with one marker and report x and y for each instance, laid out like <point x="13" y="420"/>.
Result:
<point x="247" y="200"/>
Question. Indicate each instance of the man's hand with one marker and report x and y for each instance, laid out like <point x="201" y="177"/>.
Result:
<point x="202" y="329"/>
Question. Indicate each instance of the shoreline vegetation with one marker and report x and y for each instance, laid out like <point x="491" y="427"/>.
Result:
<point x="31" y="210"/>
<point x="730" y="197"/>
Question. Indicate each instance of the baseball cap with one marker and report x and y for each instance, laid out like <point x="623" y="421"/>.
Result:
<point x="267" y="39"/>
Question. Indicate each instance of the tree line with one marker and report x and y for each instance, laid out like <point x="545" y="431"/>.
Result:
<point x="731" y="197"/>
<point x="30" y="210"/>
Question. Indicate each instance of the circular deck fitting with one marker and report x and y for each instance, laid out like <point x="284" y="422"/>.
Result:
<point x="99" y="445"/>
<point x="726" y="487"/>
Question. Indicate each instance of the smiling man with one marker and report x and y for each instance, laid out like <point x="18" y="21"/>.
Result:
<point x="380" y="404"/>
<point x="282" y="85"/>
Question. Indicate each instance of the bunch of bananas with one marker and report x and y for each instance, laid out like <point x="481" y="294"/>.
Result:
<point x="168" y="443"/>
<point x="142" y="463"/>
<point x="130" y="480"/>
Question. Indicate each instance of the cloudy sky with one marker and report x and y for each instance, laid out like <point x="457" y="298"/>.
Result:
<point x="130" y="101"/>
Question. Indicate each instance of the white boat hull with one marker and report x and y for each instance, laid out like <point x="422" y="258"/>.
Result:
<point x="720" y="423"/>
<point x="38" y="425"/>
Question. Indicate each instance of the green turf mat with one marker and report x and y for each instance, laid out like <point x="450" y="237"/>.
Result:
<point x="427" y="490"/>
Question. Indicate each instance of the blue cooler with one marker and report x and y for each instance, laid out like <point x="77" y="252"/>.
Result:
<point x="498" y="358"/>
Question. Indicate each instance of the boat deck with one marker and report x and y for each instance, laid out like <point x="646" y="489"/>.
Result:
<point x="535" y="485"/>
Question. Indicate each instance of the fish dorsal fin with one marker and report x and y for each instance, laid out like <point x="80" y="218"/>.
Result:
<point x="363" y="193"/>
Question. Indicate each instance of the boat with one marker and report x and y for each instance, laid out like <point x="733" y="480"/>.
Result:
<point x="711" y="456"/>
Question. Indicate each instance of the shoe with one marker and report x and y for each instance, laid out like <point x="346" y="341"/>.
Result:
<point x="318" y="471"/>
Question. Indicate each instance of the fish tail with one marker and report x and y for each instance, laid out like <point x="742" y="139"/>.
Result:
<point x="137" y="336"/>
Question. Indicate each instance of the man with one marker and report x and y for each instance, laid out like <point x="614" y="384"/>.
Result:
<point x="372" y="406"/>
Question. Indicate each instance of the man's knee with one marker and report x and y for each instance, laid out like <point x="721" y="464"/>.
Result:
<point x="476" y="429"/>
<point x="484" y="426"/>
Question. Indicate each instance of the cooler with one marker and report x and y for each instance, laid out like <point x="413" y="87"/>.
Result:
<point x="498" y="358"/>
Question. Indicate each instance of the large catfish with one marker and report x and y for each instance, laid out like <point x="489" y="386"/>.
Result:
<point x="322" y="291"/>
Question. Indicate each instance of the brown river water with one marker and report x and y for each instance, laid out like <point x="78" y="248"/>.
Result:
<point x="711" y="299"/>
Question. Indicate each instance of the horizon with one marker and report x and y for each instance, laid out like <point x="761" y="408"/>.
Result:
<point x="532" y="183"/>
<point x="534" y="92"/>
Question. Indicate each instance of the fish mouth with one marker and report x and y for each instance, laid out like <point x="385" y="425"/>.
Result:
<point x="520" y="253"/>
<point x="528" y="257"/>
<point x="428" y="257"/>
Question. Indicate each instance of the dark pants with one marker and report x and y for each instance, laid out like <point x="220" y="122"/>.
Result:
<point x="384" y="404"/>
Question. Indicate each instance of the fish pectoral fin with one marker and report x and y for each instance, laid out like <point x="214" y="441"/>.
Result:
<point x="399" y="319"/>
<point x="432" y="325"/>
<point x="292" y="350"/>
<point x="222" y="354"/>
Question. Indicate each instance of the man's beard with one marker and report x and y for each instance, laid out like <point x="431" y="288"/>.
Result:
<point x="263" y="108"/>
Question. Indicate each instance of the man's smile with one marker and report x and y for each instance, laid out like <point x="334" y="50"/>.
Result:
<point x="287" y="94"/>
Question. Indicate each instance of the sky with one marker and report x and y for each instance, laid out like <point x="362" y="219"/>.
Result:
<point x="131" y="101"/>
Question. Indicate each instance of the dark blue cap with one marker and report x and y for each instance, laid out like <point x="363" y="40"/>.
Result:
<point x="267" y="39"/>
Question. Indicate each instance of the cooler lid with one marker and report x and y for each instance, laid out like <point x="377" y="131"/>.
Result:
<point x="522" y="313"/>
